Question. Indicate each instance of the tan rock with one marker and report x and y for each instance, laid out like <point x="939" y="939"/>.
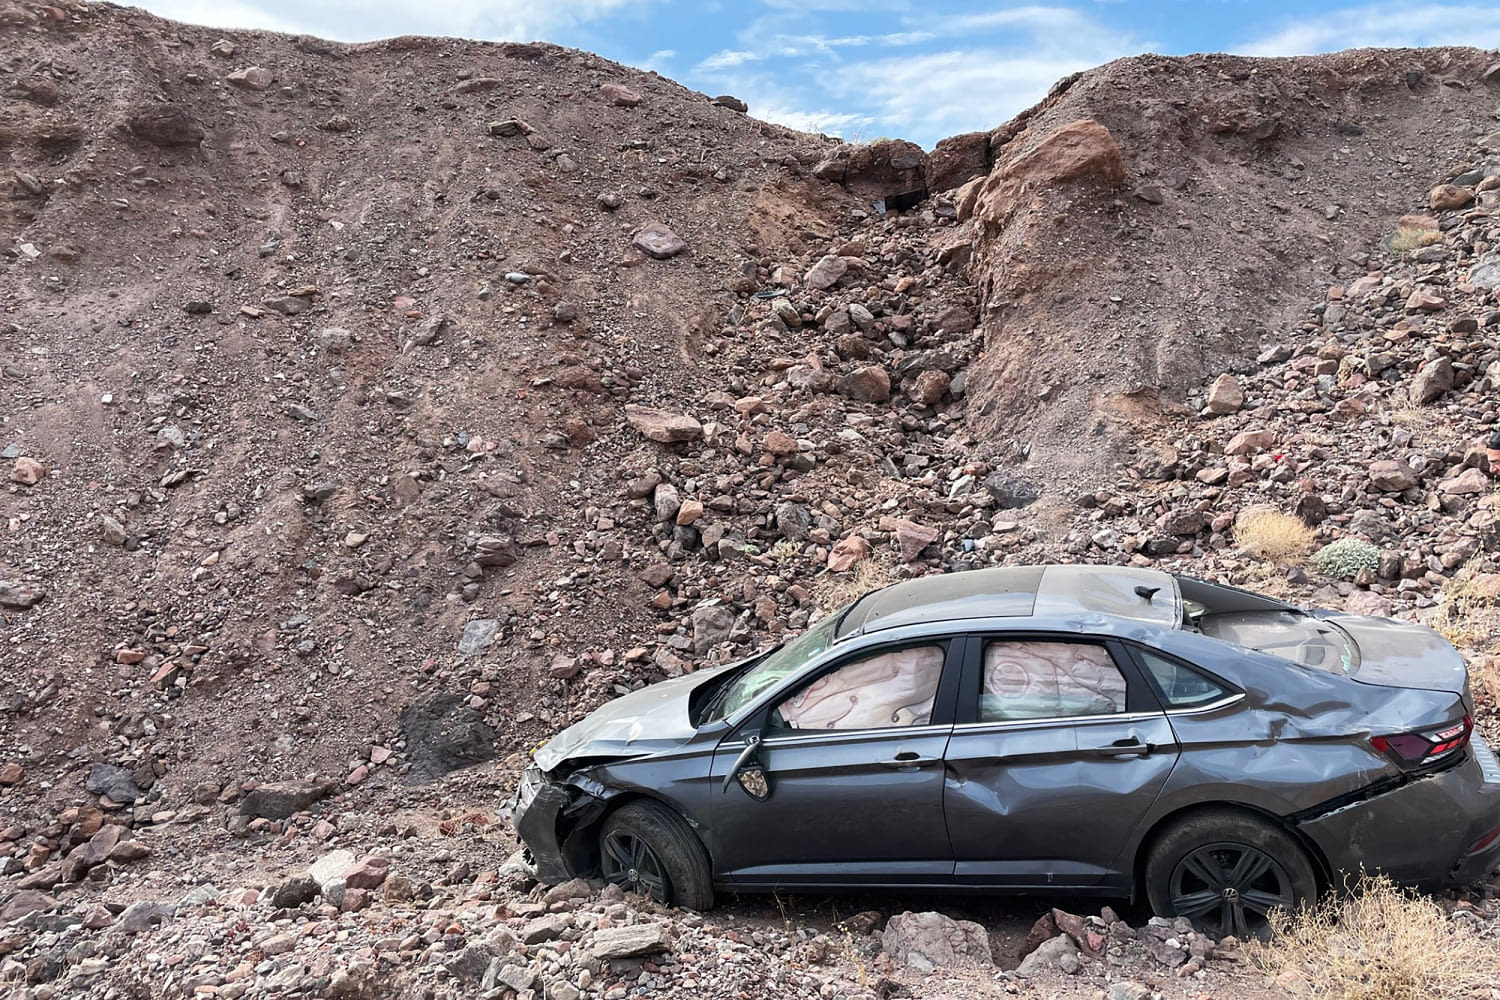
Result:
<point x="689" y="512"/>
<point x="1445" y="197"/>
<point x="1249" y="442"/>
<point x="1225" y="395"/>
<point x="27" y="471"/>
<point x="870" y="384"/>
<point x="826" y="272"/>
<point x="779" y="443"/>
<point x="1423" y="301"/>
<point x="11" y="774"/>
<point x="929" y="388"/>
<point x="663" y="425"/>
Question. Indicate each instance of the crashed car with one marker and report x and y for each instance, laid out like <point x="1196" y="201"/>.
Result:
<point x="1090" y="730"/>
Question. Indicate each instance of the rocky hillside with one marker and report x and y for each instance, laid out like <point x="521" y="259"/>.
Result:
<point x="372" y="411"/>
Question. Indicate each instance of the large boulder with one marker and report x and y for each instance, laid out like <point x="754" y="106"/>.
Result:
<point x="957" y="159"/>
<point x="931" y="940"/>
<point x="165" y="125"/>
<point x="1078" y="153"/>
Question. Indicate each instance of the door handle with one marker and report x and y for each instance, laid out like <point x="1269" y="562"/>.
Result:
<point x="908" y="760"/>
<point x="1129" y="747"/>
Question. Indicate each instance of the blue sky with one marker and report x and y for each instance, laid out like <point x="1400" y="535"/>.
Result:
<point x="915" y="69"/>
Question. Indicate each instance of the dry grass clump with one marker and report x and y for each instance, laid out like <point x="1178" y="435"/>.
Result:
<point x="1468" y="611"/>
<point x="834" y="590"/>
<point x="1409" y="238"/>
<point x="1379" y="943"/>
<point x="1270" y="534"/>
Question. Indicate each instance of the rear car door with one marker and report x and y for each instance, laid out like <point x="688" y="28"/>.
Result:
<point x="1058" y="752"/>
<point x="854" y="764"/>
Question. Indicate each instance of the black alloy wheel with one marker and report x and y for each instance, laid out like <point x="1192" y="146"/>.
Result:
<point x="629" y="863"/>
<point x="647" y="848"/>
<point x="1230" y="889"/>
<point x="1227" y="871"/>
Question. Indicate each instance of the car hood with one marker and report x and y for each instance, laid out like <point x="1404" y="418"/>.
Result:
<point x="646" y="721"/>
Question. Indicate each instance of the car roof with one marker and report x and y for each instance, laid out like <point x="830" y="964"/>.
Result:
<point x="1145" y="595"/>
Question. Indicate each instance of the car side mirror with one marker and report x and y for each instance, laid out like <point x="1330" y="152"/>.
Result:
<point x="749" y="772"/>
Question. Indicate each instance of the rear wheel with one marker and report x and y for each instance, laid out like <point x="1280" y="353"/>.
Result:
<point x="1226" y="872"/>
<point x="646" y="848"/>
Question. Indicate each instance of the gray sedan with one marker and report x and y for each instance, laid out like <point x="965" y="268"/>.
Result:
<point x="1045" y="729"/>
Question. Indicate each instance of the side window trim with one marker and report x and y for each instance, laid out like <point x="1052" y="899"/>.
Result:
<point x="943" y="701"/>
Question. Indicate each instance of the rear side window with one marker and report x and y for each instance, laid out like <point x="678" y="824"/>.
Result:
<point x="1048" y="680"/>
<point x="894" y="688"/>
<point x="1179" y="686"/>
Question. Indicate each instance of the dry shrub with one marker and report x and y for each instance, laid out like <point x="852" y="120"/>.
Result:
<point x="1270" y="534"/>
<point x="1468" y="612"/>
<point x="1409" y="238"/>
<point x="1379" y="943"/>
<point x="834" y="590"/>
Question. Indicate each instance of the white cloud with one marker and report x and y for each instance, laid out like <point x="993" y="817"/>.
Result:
<point x="1007" y="60"/>
<point x="660" y="60"/>
<point x="946" y="93"/>
<point x="366" y="20"/>
<point x="727" y="59"/>
<point x="1382" y="25"/>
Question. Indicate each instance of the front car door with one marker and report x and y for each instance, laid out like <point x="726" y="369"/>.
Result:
<point x="1059" y="751"/>
<point x="853" y="762"/>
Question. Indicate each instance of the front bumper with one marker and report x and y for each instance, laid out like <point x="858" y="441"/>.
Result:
<point x="534" y="812"/>
<point x="1435" y="831"/>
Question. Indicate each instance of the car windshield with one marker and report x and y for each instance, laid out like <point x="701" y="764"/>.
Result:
<point x="779" y="664"/>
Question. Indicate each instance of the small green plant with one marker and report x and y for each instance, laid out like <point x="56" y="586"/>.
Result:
<point x="1345" y="558"/>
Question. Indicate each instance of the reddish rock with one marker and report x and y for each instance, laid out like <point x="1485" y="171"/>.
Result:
<point x="690" y="512"/>
<point x="826" y="272"/>
<point x="11" y="774"/>
<point x="129" y="657"/>
<point x="1467" y="483"/>
<point x="847" y="552"/>
<point x="929" y="388"/>
<point x="1081" y="152"/>
<point x="663" y="425"/>
<point x="870" y="384"/>
<point x="27" y="471"/>
<point x="1420" y="301"/>
<point x="129" y="850"/>
<point x="658" y="575"/>
<point x="1392" y="475"/>
<point x="369" y="873"/>
<point x="1446" y="197"/>
<point x="912" y="538"/>
<point x="657" y="241"/>
<point x="620" y="96"/>
<point x="355" y="899"/>
<point x="1431" y="381"/>
<point x="779" y="443"/>
<point x="1249" y="442"/>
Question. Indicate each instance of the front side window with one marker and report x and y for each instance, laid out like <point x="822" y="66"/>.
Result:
<point x="1048" y="680"/>
<point x="888" y="689"/>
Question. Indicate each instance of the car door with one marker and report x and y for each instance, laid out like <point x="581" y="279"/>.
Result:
<point x="1059" y="751"/>
<point x="853" y="764"/>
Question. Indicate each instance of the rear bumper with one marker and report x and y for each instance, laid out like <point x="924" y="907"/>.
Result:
<point x="534" y="811"/>
<point x="1435" y="831"/>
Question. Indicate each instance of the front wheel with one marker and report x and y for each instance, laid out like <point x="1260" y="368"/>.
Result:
<point x="1226" y="872"/>
<point x="646" y="848"/>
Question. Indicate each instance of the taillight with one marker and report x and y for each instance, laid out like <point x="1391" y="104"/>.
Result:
<point x="1416" y="749"/>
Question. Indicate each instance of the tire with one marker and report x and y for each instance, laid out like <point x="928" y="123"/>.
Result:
<point x="1226" y="871"/>
<point x="646" y="848"/>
